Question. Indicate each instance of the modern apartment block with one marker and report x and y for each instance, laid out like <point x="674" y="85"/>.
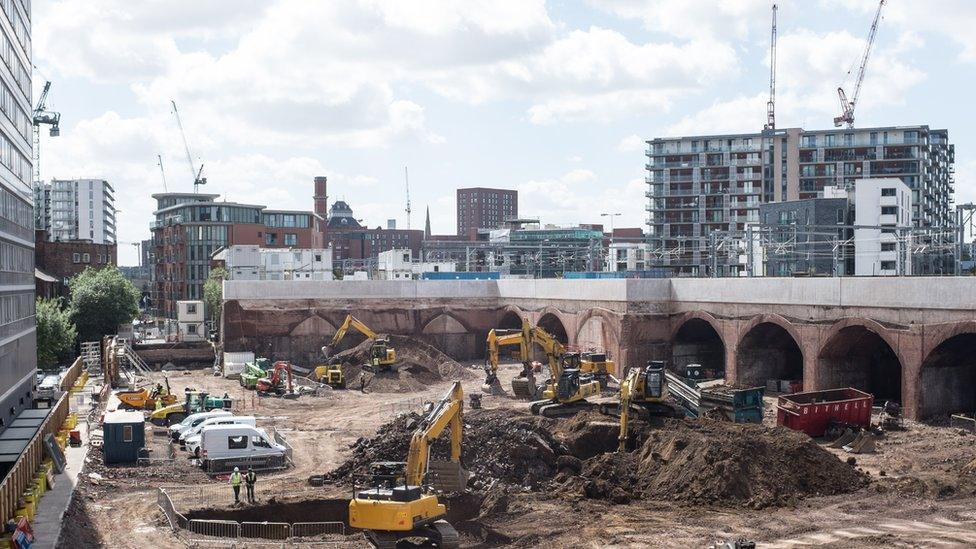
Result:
<point x="76" y="209"/>
<point x="190" y="227"/>
<point x="808" y="227"/>
<point x="18" y="339"/>
<point x="484" y="208"/>
<point x="885" y="251"/>
<point x="702" y="189"/>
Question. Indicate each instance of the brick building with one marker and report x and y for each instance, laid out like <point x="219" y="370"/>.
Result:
<point x="353" y="242"/>
<point x="484" y="208"/>
<point x="66" y="258"/>
<point x="190" y="227"/>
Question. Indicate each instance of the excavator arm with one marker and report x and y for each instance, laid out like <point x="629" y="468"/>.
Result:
<point x="626" y="390"/>
<point x="553" y="348"/>
<point x="493" y="346"/>
<point x="447" y="413"/>
<point x="350" y="322"/>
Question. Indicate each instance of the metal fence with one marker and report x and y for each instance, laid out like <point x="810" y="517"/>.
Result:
<point x="313" y="529"/>
<point x="215" y="528"/>
<point x="176" y="520"/>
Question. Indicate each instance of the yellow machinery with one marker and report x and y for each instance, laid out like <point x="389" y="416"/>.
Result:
<point x="502" y="338"/>
<point x="381" y="355"/>
<point x="331" y="375"/>
<point x="144" y="399"/>
<point x="646" y="391"/>
<point x="391" y="511"/>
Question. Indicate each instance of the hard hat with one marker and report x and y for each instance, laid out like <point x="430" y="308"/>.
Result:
<point x="236" y="470"/>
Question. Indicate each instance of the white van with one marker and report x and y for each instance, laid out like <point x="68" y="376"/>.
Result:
<point x="193" y="420"/>
<point x="221" y="420"/>
<point x="228" y="442"/>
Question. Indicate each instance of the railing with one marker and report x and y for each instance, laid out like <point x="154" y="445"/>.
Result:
<point x="22" y="473"/>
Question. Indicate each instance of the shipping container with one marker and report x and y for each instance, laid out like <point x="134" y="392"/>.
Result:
<point x="812" y="411"/>
<point x="124" y="434"/>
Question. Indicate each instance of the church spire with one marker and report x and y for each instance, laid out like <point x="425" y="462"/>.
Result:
<point x="427" y="225"/>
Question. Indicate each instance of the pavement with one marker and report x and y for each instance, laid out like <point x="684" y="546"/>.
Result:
<point x="47" y="521"/>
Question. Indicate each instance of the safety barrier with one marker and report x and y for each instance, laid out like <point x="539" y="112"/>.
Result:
<point x="312" y="529"/>
<point x="266" y="530"/>
<point x="215" y="528"/>
<point x="175" y="519"/>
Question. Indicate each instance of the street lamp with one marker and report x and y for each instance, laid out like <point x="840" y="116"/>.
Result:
<point x="611" y="216"/>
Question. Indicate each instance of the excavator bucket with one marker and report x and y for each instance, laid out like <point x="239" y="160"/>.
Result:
<point x="524" y="388"/>
<point x="447" y="476"/>
<point x="493" y="386"/>
<point x="863" y="444"/>
<point x="845" y="438"/>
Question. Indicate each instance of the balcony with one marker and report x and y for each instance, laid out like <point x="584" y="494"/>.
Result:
<point x="888" y="219"/>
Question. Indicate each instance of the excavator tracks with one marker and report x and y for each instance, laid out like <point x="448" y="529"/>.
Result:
<point x="447" y="536"/>
<point x="550" y="409"/>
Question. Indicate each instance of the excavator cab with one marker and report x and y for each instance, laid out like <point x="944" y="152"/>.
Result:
<point x="653" y="379"/>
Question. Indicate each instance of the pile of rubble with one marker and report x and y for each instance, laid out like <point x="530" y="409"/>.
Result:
<point x="693" y="461"/>
<point x="418" y="366"/>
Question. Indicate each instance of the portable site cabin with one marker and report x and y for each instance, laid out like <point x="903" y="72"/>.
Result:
<point x="124" y="434"/>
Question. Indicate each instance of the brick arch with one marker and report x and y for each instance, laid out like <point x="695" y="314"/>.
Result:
<point x="555" y="313"/>
<point x="314" y="325"/>
<point x="450" y="315"/>
<point x="861" y="363"/>
<point x="946" y="378"/>
<point x="610" y="325"/>
<point x="506" y="311"/>
<point x="700" y="315"/>
<point x="947" y="332"/>
<point x="772" y="318"/>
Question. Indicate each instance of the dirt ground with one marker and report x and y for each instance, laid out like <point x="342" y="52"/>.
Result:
<point x="917" y="493"/>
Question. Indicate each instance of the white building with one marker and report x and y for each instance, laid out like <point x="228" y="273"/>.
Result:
<point x="190" y="320"/>
<point x="252" y="262"/>
<point x="76" y="209"/>
<point x="886" y="250"/>
<point x="627" y="256"/>
<point x="398" y="264"/>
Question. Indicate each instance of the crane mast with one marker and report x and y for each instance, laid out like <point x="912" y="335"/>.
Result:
<point x="197" y="179"/>
<point x="162" y="172"/>
<point x="406" y="179"/>
<point x="771" y="104"/>
<point x="847" y="107"/>
<point x="43" y="116"/>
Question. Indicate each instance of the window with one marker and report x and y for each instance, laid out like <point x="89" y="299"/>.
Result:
<point x="318" y="258"/>
<point x="191" y="308"/>
<point x="191" y="329"/>
<point x="829" y="140"/>
<point x="126" y="433"/>
<point x="887" y="246"/>
<point x="237" y="443"/>
<point x="887" y="265"/>
<point x="889" y="210"/>
<point x="259" y="442"/>
<point x="86" y="258"/>
<point x="270" y="239"/>
<point x="76" y="258"/>
<point x="888" y="192"/>
<point x="291" y="239"/>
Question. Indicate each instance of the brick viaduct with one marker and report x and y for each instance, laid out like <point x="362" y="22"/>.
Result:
<point x="908" y="339"/>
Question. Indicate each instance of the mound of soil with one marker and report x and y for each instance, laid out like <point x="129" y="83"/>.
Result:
<point x="418" y="365"/>
<point x="719" y="463"/>
<point x="692" y="461"/>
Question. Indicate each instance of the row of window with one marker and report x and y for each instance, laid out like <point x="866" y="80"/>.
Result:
<point x="271" y="239"/>
<point x="11" y="157"/>
<point x="16" y="307"/>
<point x="301" y="221"/>
<point x="20" y="27"/>
<point x="15" y="113"/>
<point x="15" y="209"/>
<point x="86" y="258"/>
<point x="207" y="233"/>
<point x="15" y="258"/>
<point x="12" y="60"/>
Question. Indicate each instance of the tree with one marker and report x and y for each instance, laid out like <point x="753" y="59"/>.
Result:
<point x="101" y="300"/>
<point x="56" y="334"/>
<point x="213" y="292"/>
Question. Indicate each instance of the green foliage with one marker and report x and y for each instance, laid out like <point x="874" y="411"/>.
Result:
<point x="101" y="300"/>
<point x="55" y="334"/>
<point x="213" y="292"/>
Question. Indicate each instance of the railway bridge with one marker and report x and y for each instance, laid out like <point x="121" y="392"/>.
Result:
<point x="907" y="339"/>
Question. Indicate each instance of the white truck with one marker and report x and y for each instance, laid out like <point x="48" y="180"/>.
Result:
<point x="193" y="420"/>
<point x="223" y="447"/>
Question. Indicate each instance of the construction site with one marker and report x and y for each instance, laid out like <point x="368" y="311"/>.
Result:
<point x="387" y="440"/>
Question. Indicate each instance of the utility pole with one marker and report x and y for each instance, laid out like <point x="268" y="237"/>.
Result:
<point x="964" y="217"/>
<point x="406" y="179"/>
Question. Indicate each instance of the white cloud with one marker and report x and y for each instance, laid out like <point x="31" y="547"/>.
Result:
<point x="566" y="200"/>
<point x="631" y="143"/>
<point x="694" y="19"/>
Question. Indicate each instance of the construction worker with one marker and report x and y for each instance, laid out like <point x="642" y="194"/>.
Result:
<point x="249" y="479"/>
<point x="235" y="482"/>
<point x="362" y="381"/>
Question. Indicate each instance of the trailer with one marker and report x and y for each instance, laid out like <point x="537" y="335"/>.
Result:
<point x="714" y="397"/>
<point x="812" y="411"/>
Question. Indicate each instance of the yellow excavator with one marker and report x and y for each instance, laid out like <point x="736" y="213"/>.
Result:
<point x="646" y="391"/>
<point x="567" y="388"/>
<point x="381" y="355"/>
<point x="391" y="511"/>
<point x="145" y="399"/>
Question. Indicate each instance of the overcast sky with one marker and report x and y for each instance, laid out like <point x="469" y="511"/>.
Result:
<point x="553" y="99"/>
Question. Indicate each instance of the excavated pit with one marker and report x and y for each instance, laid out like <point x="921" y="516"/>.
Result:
<point x="418" y="366"/>
<point x="314" y="510"/>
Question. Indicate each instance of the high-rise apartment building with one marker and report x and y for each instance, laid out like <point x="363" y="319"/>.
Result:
<point x="18" y="338"/>
<point x="483" y="208"/>
<point x="76" y="209"/>
<point x="703" y="188"/>
<point x="883" y="213"/>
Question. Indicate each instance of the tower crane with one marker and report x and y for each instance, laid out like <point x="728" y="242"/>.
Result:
<point x="771" y="104"/>
<point x="847" y="107"/>
<point x="406" y="179"/>
<point x="43" y="116"/>
<point x="197" y="174"/>
<point x="162" y="172"/>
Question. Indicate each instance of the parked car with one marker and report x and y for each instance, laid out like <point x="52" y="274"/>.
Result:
<point x="229" y="442"/>
<point x="49" y="387"/>
<point x="193" y="420"/>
